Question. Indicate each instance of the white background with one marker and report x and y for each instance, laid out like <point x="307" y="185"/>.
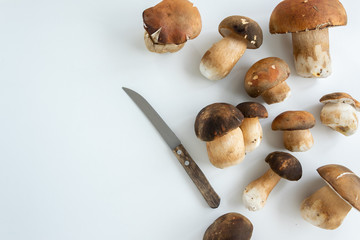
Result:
<point x="78" y="160"/>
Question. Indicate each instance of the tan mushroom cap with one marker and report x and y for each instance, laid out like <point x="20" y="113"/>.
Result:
<point x="293" y="120"/>
<point x="265" y="74"/>
<point x="177" y="21"/>
<point x="285" y="165"/>
<point x="216" y="120"/>
<point x="230" y="226"/>
<point x="340" y="97"/>
<point x="343" y="181"/>
<point x="243" y="27"/>
<point x="304" y="15"/>
<point x="252" y="110"/>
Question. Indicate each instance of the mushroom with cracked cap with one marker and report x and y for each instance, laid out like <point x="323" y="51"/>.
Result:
<point x="250" y="126"/>
<point x="267" y="78"/>
<point x="239" y="33"/>
<point x="230" y="226"/>
<point x="328" y="206"/>
<point x="218" y="125"/>
<point x="282" y="165"/>
<point x="308" y="22"/>
<point x="339" y="112"/>
<point x="295" y="124"/>
<point x="169" y="24"/>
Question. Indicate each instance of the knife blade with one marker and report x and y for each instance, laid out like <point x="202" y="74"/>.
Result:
<point x="191" y="168"/>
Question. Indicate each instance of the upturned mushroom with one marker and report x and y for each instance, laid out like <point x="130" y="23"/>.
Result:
<point x="339" y="112"/>
<point x="230" y="226"/>
<point x="169" y="24"/>
<point x="250" y="126"/>
<point x="218" y="125"/>
<point x="239" y="33"/>
<point x="328" y="206"/>
<point x="295" y="124"/>
<point x="267" y="78"/>
<point x="282" y="165"/>
<point x="308" y="22"/>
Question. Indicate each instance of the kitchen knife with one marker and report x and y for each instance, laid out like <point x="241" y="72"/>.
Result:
<point x="192" y="169"/>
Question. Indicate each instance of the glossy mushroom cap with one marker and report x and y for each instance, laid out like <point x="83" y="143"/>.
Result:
<point x="340" y="97"/>
<point x="343" y="181"/>
<point x="252" y="110"/>
<point x="172" y="22"/>
<point x="285" y="165"/>
<point x="216" y="120"/>
<point x="230" y="226"/>
<point x="242" y="27"/>
<point x="303" y="15"/>
<point x="293" y="120"/>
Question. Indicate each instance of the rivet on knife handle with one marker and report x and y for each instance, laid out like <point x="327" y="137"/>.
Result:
<point x="197" y="176"/>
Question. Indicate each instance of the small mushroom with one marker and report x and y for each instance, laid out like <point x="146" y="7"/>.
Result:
<point x="250" y="126"/>
<point x="230" y="226"/>
<point x="295" y="124"/>
<point x="339" y="112"/>
<point x="239" y="33"/>
<point x="218" y="125"/>
<point x="169" y="24"/>
<point x="328" y="206"/>
<point x="282" y="165"/>
<point x="308" y="21"/>
<point x="267" y="78"/>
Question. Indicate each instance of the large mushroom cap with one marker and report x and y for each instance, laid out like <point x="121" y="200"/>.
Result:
<point x="293" y="120"/>
<point x="343" y="181"/>
<point x="252" y="110"/>
<point x="176" y="21"/>
<point x="304" y="15"/>
<point x="340" y="97"/>
<point x="217" y="119"/>
<point x="230" y="226"/>
<point x="265" y="74"/>
<point x="285" y="165"/>
<point x="242" y="27"/>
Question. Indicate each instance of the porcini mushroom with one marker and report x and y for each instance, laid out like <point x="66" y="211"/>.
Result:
<point x="328" y="206"/>
<point x="239" y="33"/>
<point x="230" y="226"/>
<point x="218" y="125"/>
<point x="267" y="78"/>
<point x="250" y="126"/>
<point x="169" y="24"/>
<point x="282" y="165"/>
<point x="339" y="112"/>
<point x="308" y="21"/>
<point x="295" y="124"/>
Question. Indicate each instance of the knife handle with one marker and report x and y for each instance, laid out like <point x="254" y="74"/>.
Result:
<point x="197" y="176"/>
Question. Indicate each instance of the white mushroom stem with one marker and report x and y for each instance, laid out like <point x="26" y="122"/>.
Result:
<point x="340" y="116"/>
<point x="311" y="53"/>
<point x="252" y="132"/>
<point x="325" y="208"/>
<point x="152" y="44"/>
<point x="257" y="192"/>
<point x="298" y="140"/>
<point x="218" y="61"/>
<point x="276" y="94"/>
<point x="227" y="150"/>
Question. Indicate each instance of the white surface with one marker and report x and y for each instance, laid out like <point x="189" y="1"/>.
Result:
<point x="80" y="161"/>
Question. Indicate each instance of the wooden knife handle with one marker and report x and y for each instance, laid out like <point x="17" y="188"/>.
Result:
<point x="197" y="176"/>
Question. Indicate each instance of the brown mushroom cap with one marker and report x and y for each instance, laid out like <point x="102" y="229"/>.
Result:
<point x="252" y="109"/>
<point x="303" y="15"/>
<point x="285" y="165"/>
<point x="177" y="21"/>
<point x="243" y="27"/>
<point x="340" y="97"/>
<point x="293" y="120"/>
<point x="343" y="181"/>
<point x="216" y="120"/>
<point x="230" y="226"/>
<point x="265" y="74"/>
